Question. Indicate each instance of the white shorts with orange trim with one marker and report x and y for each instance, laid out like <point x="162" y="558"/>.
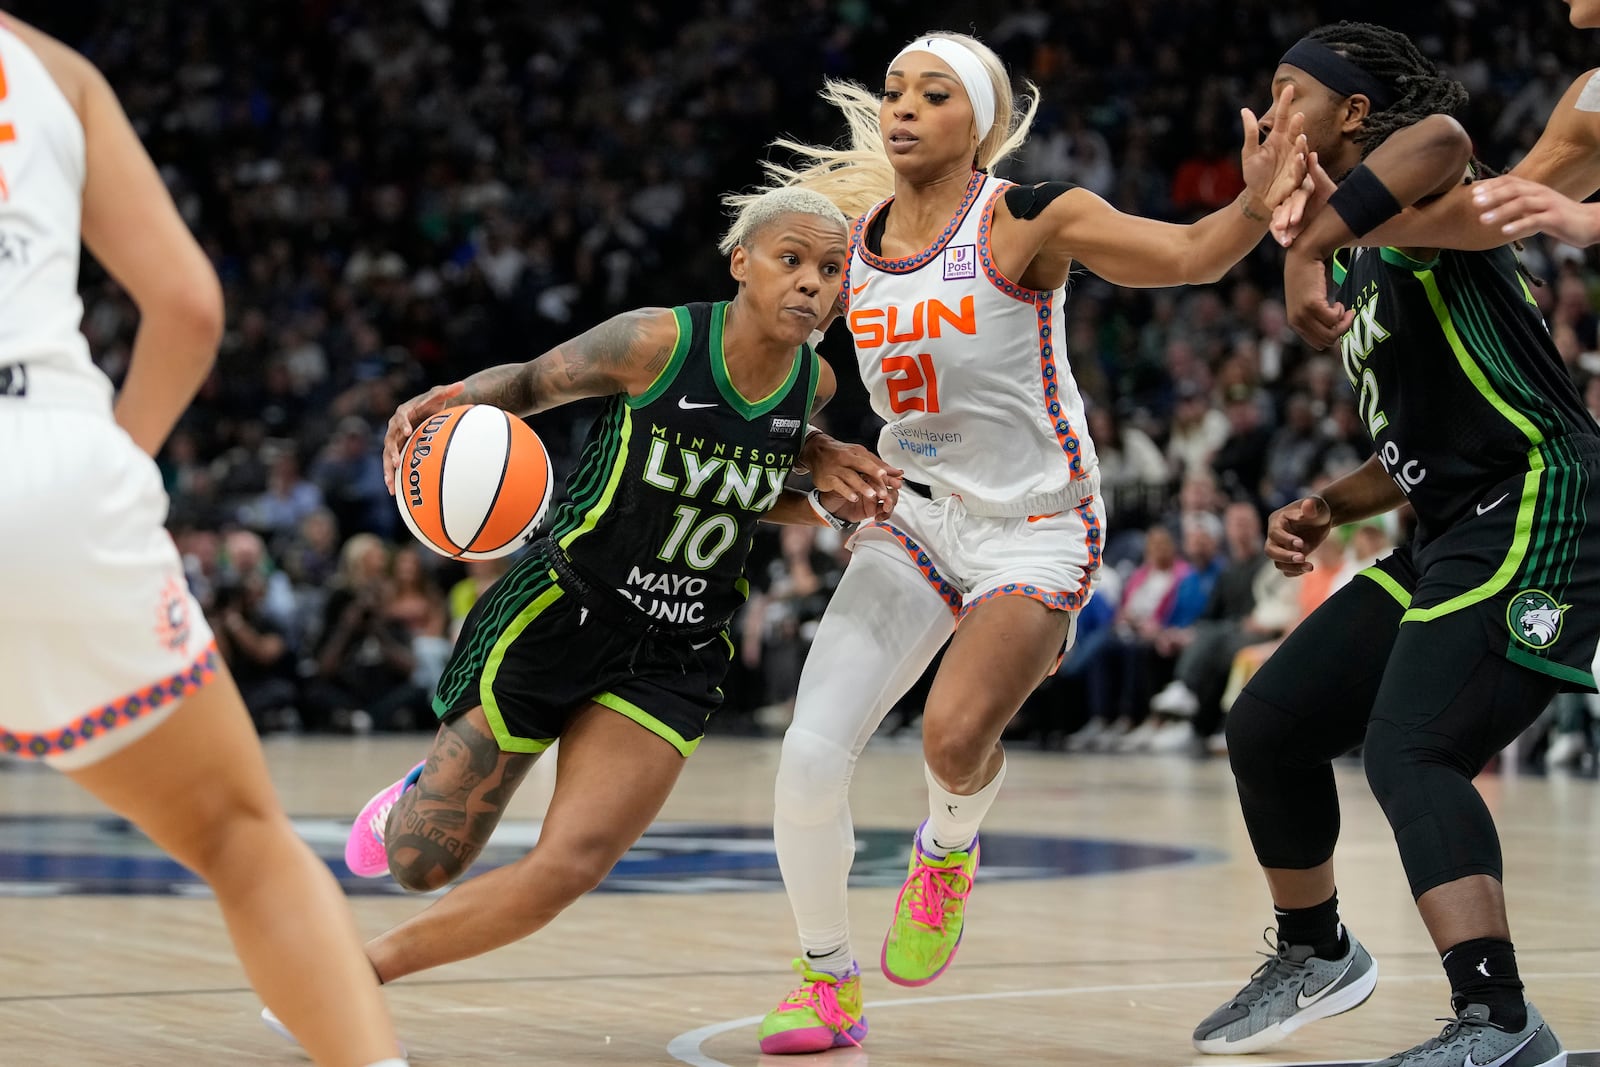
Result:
<point x="99" y="636"/>
<point x="968" y="559"/>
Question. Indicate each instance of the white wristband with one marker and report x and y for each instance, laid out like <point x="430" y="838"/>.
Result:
<point x="841" y="525"/>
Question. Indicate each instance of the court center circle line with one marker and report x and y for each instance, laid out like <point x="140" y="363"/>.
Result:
<point x="687" y="1047"/>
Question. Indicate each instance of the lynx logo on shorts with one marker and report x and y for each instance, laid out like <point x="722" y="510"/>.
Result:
<point x="172" y="616"/>
<point x="960" y="261"/>
<point x="1535" y="618"/>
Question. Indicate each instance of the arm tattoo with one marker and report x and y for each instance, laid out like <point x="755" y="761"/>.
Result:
<point x="601" y="361"/>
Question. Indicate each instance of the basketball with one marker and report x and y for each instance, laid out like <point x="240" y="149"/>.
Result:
<point x="473" y="482"/>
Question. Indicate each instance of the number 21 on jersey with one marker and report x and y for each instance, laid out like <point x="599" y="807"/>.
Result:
<point x="913" y="386"/>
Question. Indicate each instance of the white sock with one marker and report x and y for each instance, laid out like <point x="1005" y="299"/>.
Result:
<point x="389" y="1063"/>
<point x="953" y="819"/>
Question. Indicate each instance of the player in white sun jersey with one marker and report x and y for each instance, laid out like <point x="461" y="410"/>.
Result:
<point x="111" y="673"/>
<point x="955" y="298"/>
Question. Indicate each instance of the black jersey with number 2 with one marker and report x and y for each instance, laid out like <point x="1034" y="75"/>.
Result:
<point x="1456" y="376"/>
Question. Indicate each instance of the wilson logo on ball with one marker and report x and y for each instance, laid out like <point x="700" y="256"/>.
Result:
<point x="421" y="450"/>
<point x="477" y="482"/>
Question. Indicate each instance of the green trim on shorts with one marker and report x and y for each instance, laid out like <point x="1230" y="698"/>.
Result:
<point x="501" y="604"/>
<point x="1514" y="556"/>
<point x="1524" y="658"/>
<point x="1386" y="581"/>
<point x="508" y="741"/>
<point x="649" y="722"/>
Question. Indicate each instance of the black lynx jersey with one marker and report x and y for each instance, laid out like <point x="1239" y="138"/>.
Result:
<point x="1456" y="378"/>
<point x="664" y="501"/>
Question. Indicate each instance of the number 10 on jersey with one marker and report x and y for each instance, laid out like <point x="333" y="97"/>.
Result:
<point x="913" y="386"/>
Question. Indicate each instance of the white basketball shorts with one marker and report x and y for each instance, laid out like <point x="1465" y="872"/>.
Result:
<point x="969" y="559"/>
<point x="99" y="636"/>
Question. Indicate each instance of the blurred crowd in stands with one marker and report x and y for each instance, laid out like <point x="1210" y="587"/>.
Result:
<point x="399" y="193"/>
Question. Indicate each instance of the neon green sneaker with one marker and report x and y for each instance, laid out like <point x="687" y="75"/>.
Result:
<point x="823" y="1013"/>
<point x="929" y="916"/>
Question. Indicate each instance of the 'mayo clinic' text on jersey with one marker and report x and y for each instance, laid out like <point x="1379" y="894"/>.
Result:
<point x="1456" y="377"/>
<point x="664" y="501"/>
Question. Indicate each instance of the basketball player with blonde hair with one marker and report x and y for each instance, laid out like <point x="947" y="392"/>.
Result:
<point x="112" y="675"/>
<point x="955" y="297"/>
<point x="611" y="633"/>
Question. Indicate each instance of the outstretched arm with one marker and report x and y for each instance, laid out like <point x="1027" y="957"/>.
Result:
<point x="624" y="354"/>
<point x="1421" y="161"/>
<point x="1138" y="252"/>
<point x="1566" y="160"/>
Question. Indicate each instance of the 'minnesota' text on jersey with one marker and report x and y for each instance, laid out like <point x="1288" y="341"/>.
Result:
<point x="665" y="499"/>
<point x="1456" y="376"/>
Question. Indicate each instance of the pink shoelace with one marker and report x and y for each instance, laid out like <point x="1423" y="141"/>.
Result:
<point x="823" y="998"/>
<point x="931" y="888"/>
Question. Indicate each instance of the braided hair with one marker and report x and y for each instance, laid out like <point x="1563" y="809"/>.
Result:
<point x="1391" y="57"/>
<point x="1420" y="90"/>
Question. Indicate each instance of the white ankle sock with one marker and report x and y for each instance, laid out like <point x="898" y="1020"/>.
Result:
<point x="389" y="1063"/>
<point x="953" y="819"/>
<point x="838" y="962"/>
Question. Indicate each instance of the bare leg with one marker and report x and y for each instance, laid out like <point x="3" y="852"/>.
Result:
<point x="1300" y="889"/>
<point x="612" y="777"/>
<point x="1003" y="649"/>
<point x="198" y="786"/>
<point x="438" y="827"/>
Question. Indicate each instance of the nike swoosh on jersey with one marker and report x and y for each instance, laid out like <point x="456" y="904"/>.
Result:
<point x="1468" y="1061"/>
<point x="855" y="290"/>
<point x="1484" y="509"/>
<point x="1303" y="1001"/>
<point x="683" y="402"/>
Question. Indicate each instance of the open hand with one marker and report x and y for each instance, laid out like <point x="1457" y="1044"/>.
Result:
<point x="1290" y="217"/>
<point x="1522" y="208"/>
<point x="405" y="419"/>
<point x="1274" y="166"/>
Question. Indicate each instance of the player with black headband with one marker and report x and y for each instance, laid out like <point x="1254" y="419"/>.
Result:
<point x="1443" y="652"/>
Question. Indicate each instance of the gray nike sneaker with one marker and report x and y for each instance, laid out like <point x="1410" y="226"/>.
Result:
<point x="1472" y="1041"/>
<point x="1289" y="990"/>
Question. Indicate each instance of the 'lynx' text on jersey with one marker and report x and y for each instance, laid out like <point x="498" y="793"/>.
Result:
<point x="664" y="502"/>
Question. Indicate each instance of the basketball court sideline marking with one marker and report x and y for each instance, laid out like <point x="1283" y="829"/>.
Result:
<point x="686" y="1047"/>
<point x="763" y="972"/>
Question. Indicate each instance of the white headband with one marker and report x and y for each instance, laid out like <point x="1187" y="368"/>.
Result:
<point x="969" y="68"/>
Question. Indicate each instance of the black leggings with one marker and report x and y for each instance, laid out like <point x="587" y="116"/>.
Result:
<point x="1431" y="703"/>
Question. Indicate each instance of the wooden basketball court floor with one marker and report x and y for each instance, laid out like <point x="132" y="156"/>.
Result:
<point x="1118" y="904"/>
